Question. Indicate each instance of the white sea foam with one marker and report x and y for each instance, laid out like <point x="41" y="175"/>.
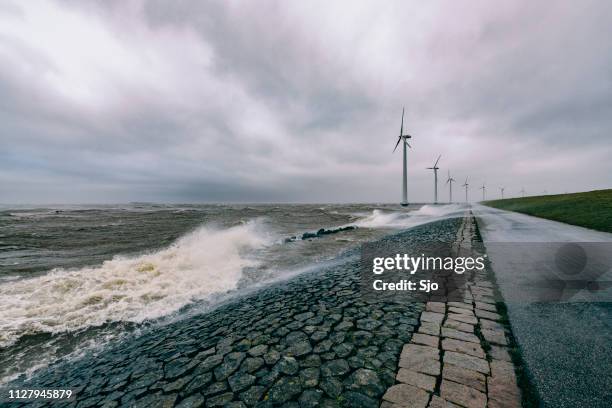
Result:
<point x="133" y="289"/>
<point x="407" y="219"/>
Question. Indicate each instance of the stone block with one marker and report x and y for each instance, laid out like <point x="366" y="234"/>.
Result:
<point x="420" y="380"/>
<point x="462" y="395"/>
<point x="407" y="395"/>
<point x="465" y="347"/>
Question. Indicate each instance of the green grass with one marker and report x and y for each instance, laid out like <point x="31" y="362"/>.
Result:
<point x="591" y="209"/>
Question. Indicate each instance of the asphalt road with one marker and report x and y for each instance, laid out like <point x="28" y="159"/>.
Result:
<point x="555" y="279"/>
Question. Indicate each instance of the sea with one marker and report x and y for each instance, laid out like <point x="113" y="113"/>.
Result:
<point x="76" y="278"/>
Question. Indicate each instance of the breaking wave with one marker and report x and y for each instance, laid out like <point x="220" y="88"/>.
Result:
<point x="133" y="289"/>
<point x="407" y="219"/>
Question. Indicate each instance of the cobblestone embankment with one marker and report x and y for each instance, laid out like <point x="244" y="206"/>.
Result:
<point x="314" y="341"/>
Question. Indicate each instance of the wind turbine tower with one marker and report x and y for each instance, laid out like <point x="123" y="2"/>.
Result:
<point x="435" y="168"/>
<point x="466" y="189"/>
<point x="502" y="191"/>
<point x="522" y="191"/>
<point x="405" y="138"/>
<point x="450" y="181"/>
<point x="483" y="188"/>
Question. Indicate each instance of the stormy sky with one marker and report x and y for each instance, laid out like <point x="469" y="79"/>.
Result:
<point x="300" y="101"/>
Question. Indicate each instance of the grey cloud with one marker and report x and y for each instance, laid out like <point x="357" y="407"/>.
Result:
<point x="295" y="103"/>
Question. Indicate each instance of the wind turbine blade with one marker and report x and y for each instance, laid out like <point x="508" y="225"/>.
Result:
<point x="399" y="139"/>
<point x="407" y="144"/>
<point x="402" y="126"/>
<point x="437" y="160"/>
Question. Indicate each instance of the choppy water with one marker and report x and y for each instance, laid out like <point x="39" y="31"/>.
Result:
<point x="75" y="277"/>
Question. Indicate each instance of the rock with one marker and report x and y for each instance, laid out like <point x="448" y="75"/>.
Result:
<point x="271" y="357"/>
<point x="300" y="349"/>
<point x="240" y="381"/>
<point x="356" y="399"/>
<point x="211" y="362"/>
<point x="193" y="401"/>
<point x="344" y="325"/>
<point x="312" y="360"/>
<point x="197" y="383"/>
<point x="303" y="316"/>
<point x="334" y="368"/>
<point x="361" y="338"/>
<point x="309" y="377"/>
<point x="366" y="382"/>
<point x="221" y="400"/>
<point x="243" y="345"/>
<point x="310" y="398"/>
<point x="288" y="365"/>
<point x="176" y="367"/>
<point x="368" y="324"/>
<point x="318" y="336"/>
<point x="284" y="390"/>
<point x="230" y="363"/>
<point x="332" y="386"/>
<point x="343" y="350"/>
<point x="258" y="350"/>
<point x="252" y="395"/>
<point x="215" y="388"/>
<point x="252" y="364"/>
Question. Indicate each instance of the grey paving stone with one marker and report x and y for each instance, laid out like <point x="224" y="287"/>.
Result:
<point x="425" y="339"/>
<point x="457" y="325"/>
<point x="467" y="312"/>
<point x="484" y="314"/>
<point x="439" y="402"/>
<point x="486" y="306"/>
<point x="464" y="376"/>
<point x="433" y="329"/>
<point x="504" y="391"/>
<point x="437" y="307"/>
<point x="461" y="305"/>
<point x="500" y="353"/>
<point x="466" y="361"/>
<point x="460" y="335"/>
<point x="465" y="347"/>
<point x="417" y="379"/>
<point x="432" y="317"/>
<point x="500" y="368"/>
<point x="407" y="395"/>
<point x="462" y="395"/>
<point x="463" y="318"/>
<point x="495" y="336"/>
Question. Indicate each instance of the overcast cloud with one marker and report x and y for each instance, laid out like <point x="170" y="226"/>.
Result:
<point x="278" y="101"/>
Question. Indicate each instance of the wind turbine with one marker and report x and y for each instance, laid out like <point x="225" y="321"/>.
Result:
<point x="522" y="191"/>
<point x="502" y="191"/>
<point x="435" y="168"/>
<point x="466" y="189"/>
<point x="483" y="188"/>
<point x="450" y="181"/>
<point x="404" y="179"/>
